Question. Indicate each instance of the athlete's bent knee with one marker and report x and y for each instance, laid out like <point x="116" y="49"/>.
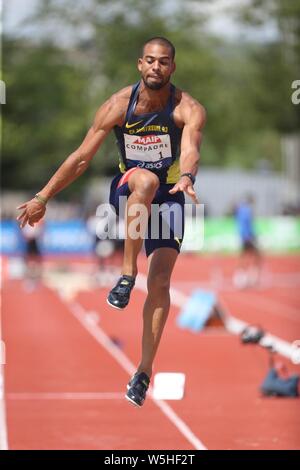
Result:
<point x="145" y="183"/>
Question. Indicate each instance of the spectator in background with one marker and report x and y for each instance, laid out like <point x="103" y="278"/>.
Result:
<point x="104" y="248"/>
<point x="248" y="272"/>
<point x="33" y="254"/>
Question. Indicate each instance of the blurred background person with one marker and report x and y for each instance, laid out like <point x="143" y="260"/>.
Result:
<point x="248" y="271"/>
<point x="33" y="254"/>
<point x="103" y="247"/>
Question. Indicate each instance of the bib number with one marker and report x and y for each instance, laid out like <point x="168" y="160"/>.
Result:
<point x="148" y="149"/>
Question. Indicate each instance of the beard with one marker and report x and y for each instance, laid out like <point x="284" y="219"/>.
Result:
<point x="155" y="85"/>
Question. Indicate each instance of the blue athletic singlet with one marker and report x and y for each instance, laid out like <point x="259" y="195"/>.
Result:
<point x="150" y="141"/>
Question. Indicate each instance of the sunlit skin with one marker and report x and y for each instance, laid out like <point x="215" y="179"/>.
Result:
<point x="156" y="66"/>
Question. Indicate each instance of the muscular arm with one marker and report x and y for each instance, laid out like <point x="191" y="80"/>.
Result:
<point x="193" y="116"/>
<point x="111" y="113"/>
<point x="194" y="119"/>
<point x="107" y="116"/>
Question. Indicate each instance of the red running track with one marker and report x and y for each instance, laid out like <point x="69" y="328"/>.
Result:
<point x="49" y="354"/>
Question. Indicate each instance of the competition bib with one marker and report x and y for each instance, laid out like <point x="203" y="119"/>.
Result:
<point x="148" y="148"/>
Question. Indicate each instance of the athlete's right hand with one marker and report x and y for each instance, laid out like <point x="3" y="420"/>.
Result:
<point x="32" y="213"/>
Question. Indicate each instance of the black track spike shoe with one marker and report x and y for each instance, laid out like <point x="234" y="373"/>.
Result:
<point x="137" y="389"/>
<point x="119" y="296"/>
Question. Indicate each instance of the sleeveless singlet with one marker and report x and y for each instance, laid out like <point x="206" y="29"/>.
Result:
<point x="151" y="140"/>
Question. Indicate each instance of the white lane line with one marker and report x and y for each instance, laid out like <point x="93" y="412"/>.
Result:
<point x="3" y="425"/>
<point x="236" y="326"/>
<point x="100" y="336"/>
<point x="65" y="396"/>
<point x="232" y="324"/>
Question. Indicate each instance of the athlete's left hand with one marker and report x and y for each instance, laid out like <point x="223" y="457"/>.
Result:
<point x="185" y="185"/>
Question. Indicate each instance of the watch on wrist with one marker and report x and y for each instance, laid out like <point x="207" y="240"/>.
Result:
<point x="189" y="175"/>
<point x="41" y="199"/>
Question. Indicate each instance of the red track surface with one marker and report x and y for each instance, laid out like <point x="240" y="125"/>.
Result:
<point x="49" y="351"/>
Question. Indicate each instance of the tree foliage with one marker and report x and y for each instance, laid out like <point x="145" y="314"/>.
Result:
<point x="56" y="83"/>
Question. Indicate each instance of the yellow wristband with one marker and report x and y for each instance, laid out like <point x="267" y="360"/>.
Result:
<point x="41" y="199"/>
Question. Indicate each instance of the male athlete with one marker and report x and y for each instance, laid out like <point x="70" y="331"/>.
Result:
<point x="158" y="129"/>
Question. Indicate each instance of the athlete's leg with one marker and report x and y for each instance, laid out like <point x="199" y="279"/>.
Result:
<point x="240" y="273"/>
<point x="143" y="185"/>
<point x="162" y="255"/>
<point x="248" y="272"/>
<point x="255" y="266"/>
<point x="157" y="304"/>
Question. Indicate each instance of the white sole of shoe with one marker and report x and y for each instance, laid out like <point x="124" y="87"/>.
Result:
<point x="113" y="306"/>
<point x="132" y="402"/>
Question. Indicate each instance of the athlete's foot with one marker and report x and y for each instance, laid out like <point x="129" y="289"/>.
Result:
<point x="119" y="296"/>
<point x="137" y="389"/>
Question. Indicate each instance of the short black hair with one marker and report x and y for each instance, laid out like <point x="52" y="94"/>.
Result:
<point x="163" y="41"/>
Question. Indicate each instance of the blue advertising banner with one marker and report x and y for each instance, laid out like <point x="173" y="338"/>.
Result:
<point x="11" y="239"/>
<point x="68" y="237"/>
